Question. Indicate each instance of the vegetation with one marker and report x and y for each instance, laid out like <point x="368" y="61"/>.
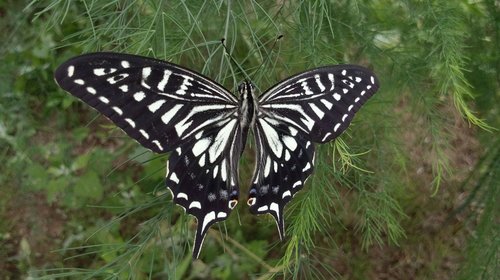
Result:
<point x="409" y="192"/>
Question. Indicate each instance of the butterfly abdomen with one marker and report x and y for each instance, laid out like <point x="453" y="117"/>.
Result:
<point x="247" y="110"/>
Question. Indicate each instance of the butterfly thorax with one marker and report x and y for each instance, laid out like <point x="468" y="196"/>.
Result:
<point x="248" y="106"/>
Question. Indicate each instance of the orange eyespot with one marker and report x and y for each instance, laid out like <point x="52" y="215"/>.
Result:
<point x="251" y="201"/>
<point x="232" y="203"/>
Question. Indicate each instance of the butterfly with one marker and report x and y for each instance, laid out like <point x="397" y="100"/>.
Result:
<point x="170" y="109"/>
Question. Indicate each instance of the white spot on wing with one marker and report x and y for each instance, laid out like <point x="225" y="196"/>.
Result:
<point x="372" y="79"/>
<point x="131" y="122"/>
<point x="296" y="184"/>
<point x="290" y="142"/>
<point x="139" y="96"/>
<point x="157" y="143"/>
<point x="317" y="110"/>
<point x="125" y="64"/>
<point x="146" y="71"/>
<point x="208" y="218"/>
<point x="331" y="78"/>
<point x="350" y="107"/>
<point x="336" y="127"/>
<point x="318" y="81"/>
<point x="195" y="204"/>
<point x="356" y="100"/>
<point x="123" y="88"/>
<point x="198" y="135"/>
<point x="200" y="146"/>
<point x="267" y="168"/>
<point x="171" y="113"/>
<point x="164" y="80"/>
<point x="307" y="167"/>
<point x="263" y="208"/>
<point x="104" y="99"/>
<point x="275" y="207"/>
<point x="202" y="160"/>
<point x="308" y="121"/>
<point x="117" y="110"/>
<point x="221" y="215"/>
<point x="221" y="140"/>
<point x="91" y="90"/>
<point x="327" y="104"/>
<point x="184" y="86"/>
<point x="174" y="178"/>
<point x="182" y="195"/>
<point x="326" y="136"/>
<point x="182" y="126"/>
<point x="71" y="71"/>
<point x="344" y="72"/>
<point x="344" y="117"/>
<point x="285" y="194"/>
<point x="287" y="155"/>
<point x="216" y="170"/>
<point x="79" y="81"/>
<point x="144" y="133"/>
<point x="99" y="72"/>
<point x="223" y="170"/>
<point x="336" y="96"/>
<point x="272" y="138"/>
<point x="153" y="107"/>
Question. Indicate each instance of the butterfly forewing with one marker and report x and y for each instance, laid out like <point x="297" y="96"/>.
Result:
<point x="168" y="108"/>
<point x="321" y="102"/>
<point x="157" y="103"/>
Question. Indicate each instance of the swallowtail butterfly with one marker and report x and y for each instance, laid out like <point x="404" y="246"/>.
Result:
<point x="168" y="108"/>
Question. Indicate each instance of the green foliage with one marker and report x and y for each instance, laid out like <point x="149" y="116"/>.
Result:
<point x="374" y="189"/>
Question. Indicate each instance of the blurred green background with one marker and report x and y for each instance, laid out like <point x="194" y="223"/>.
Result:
<point x="408" y="192"/>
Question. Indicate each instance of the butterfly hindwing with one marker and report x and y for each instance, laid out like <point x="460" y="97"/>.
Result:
<point x="285" y="159"/>
<point x="202" y="175"/>
<point x="320" y="102"/>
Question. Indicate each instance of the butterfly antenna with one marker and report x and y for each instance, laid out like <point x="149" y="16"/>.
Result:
<point x="227" y="52"/>
<point x="268" y="56"/>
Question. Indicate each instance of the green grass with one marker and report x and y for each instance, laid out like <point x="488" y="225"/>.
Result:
<point x="81" y="200"/>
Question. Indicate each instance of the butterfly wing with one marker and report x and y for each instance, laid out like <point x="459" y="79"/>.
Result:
<point x="314" y="106"/>
<point x="157" y="103"/>
<point x="166" y="107"/>
<point x="203" y="175"/>
<point x="285" y="159"/>
<point x="322" y="102"/>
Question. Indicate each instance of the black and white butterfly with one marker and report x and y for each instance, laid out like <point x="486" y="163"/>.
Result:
<point x="168" y="108"/>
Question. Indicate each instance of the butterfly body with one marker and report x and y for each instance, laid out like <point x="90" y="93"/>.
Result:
<point x="168" y="108"/>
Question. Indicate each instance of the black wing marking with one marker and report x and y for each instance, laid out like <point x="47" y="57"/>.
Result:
<point x="285" y="159"/>
<point x="203" y="175"/>
<point x="320" y="102"/>
<point x="157" y="103"/>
